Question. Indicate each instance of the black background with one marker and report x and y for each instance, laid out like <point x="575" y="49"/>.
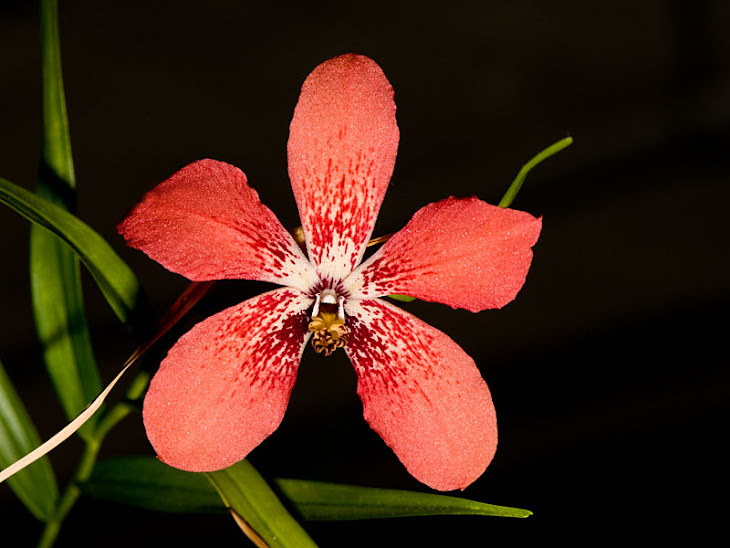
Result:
<point x="608" y="372"/>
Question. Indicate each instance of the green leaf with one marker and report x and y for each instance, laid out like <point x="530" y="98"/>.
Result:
<point x="56" y="143"/>
<point x="330" y="501"/>
<point x="61" y="324"/>
<point x="244" y="490"/>
<point x="116" y="280"/>
<point x="145" y="482"/>
<point x="54" y="268"/>
<point x="35" y="486"/>
<point x="402" y="298"/>
<point x="516" y="185"/>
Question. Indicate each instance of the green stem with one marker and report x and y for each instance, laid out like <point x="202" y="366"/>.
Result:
<point x="88" y="459"/>
<point x="516" y="185"/>
<point x="71" y="493"/>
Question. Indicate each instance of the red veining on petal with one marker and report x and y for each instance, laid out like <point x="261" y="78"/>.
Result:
<point x="376" y="345"/>
<point x="225" y="385"/>
<point x="268" y="322"/>
<point x="461" y="252"/>
<point x="342" y="148"/>
<point x="422" y="394"/>
<point x="346" y="205"/>
<point x="206" y="223"/>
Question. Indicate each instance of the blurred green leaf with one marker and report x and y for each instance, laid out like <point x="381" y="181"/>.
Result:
<point x="329" y="501"/>
<point x="35" y="486"/>
<point x="541" y="156"/>
<point x="54" y="268"/>
<point x="116" y="280"/>
<point x="145" y="482"/>
<point x="402" y="298"/>
<point x="244" y="490"/>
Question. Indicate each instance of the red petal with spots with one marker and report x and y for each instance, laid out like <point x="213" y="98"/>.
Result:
<point x="342" y="147"/>
<point x="206" y="223"/>
<point x="225" y="385"/>
<point x="422" y="394"/>
<point x="461" y="252"/>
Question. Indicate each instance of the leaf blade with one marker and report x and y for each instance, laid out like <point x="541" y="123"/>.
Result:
<point x="60" y="322"/>
<point x="116" y="280"/>
<point x="147" y="483"/>
<point x="54" y="269"/>
<point x="36" y="485"/>
<point x="335" y="502"/>
<point x="247" y="493"/>
<point x="56" y="143"/>
<point x="316" y="501"/>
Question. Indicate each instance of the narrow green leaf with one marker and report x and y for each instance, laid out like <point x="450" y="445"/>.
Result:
<point x="516" y="185"/>
<point x="402" y="298"/>
<point x="244" y="490"/>
<point x="116" y="280"/>
<point x="330" y="501"/>
<point x="145" y="482"/>
<point x="36" y="485"/>
<point x="54" y="268"/>
<point x="56" y="143"/>
<point x="61" y="324"/>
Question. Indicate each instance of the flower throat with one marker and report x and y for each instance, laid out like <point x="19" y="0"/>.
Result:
<point x="328" y="322"/>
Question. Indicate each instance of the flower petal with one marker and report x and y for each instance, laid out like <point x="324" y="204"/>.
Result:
<point x="206" y="223"/>
<point x="342" y="147"/>
<point x="423" y="394"/>
<point x="224" y="386"/>
<point x="461" y="252"/>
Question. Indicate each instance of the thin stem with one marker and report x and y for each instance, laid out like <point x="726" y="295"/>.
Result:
<point x="71" y="493"/>
<point x="516" y="185"/>
<point x="379" y="240"/>
<point x="88" y="459"/>
<point x="248" y="530"/>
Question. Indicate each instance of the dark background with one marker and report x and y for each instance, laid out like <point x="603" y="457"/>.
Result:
<point x="608" y="371"/>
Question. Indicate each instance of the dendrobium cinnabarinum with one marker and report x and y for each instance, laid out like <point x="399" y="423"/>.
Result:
<point x="225" y="385"/>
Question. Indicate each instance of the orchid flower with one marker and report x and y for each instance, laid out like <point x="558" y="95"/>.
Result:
<point x="224" y="386"/>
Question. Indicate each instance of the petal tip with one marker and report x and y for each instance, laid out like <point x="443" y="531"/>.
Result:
<point x="423" y="395"/>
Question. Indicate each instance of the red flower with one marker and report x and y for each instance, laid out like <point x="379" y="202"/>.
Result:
<point x="225" y="385"/>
